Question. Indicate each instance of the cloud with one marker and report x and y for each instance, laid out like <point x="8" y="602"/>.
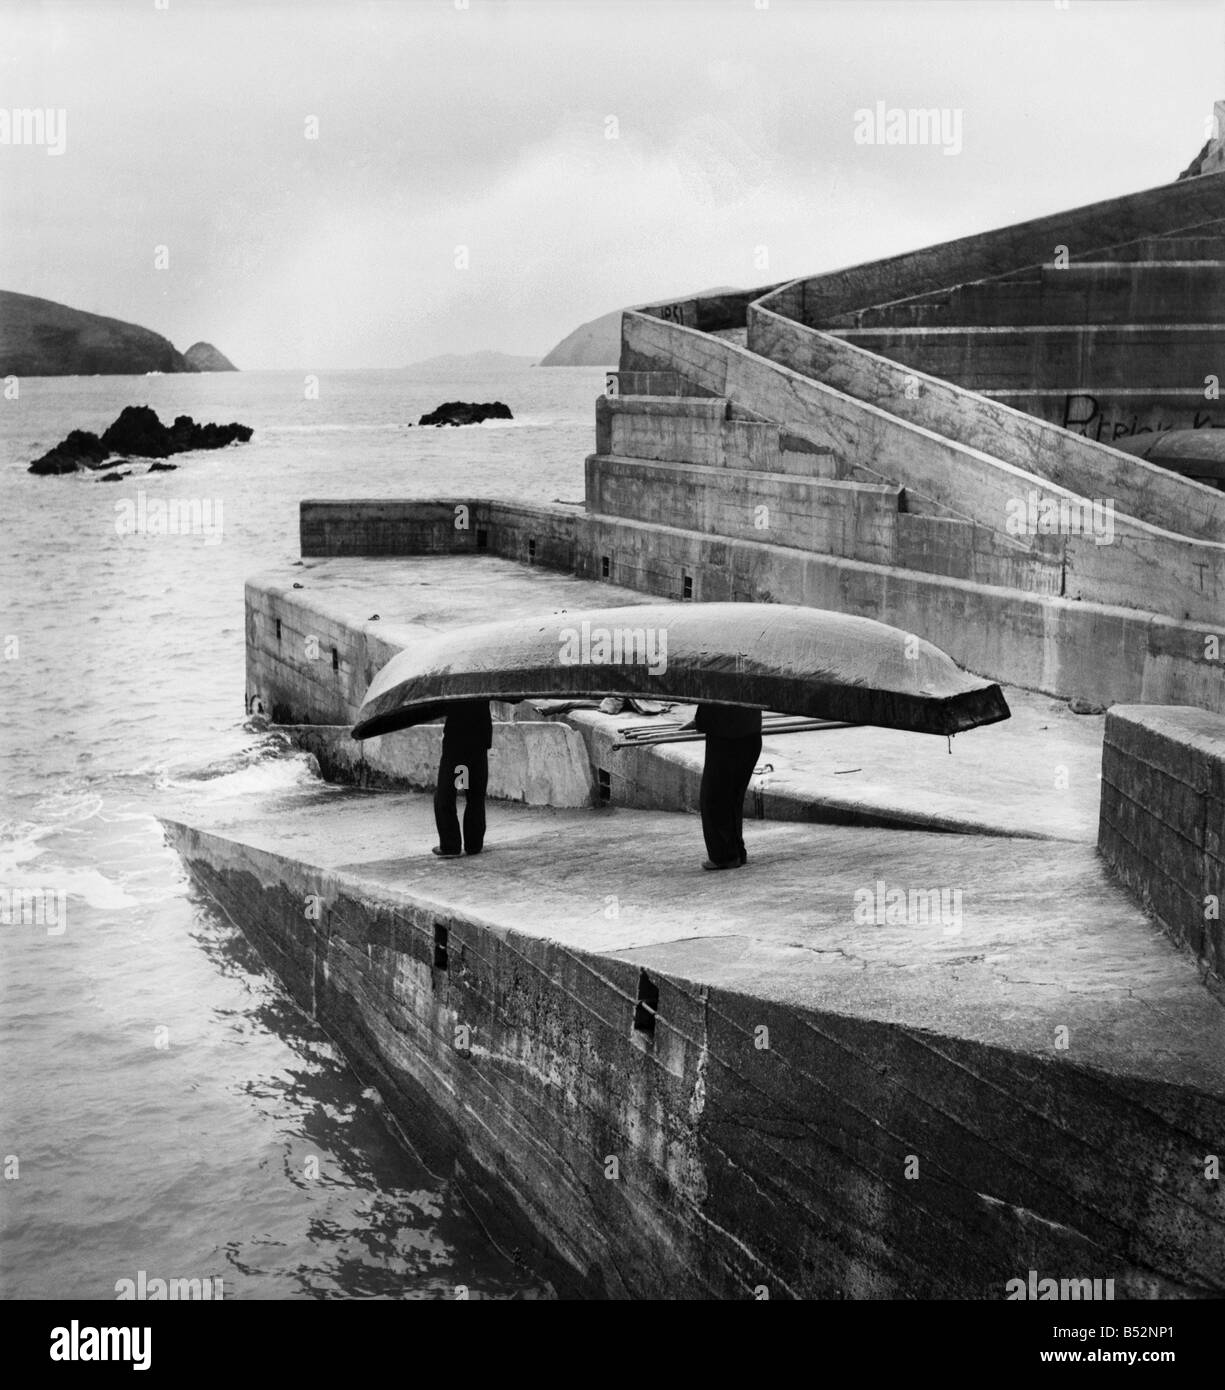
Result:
<point x="487" y="127"/>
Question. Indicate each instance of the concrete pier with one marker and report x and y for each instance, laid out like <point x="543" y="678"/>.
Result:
<point x="660" y="1082"/>
<point x="958" y="1018"/>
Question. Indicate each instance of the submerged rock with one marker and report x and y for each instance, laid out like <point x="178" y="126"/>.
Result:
<point x="466" y="413"/>
<point x="137" y="433"/>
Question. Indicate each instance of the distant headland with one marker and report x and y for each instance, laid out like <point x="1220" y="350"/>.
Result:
<point x="39" y="337"/>
<point x="598" y="342"/>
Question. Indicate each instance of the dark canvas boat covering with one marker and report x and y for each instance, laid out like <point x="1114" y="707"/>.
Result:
<point x="793" y="660"/>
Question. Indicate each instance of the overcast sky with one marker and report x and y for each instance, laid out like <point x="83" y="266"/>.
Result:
<point x="487" y="127"/>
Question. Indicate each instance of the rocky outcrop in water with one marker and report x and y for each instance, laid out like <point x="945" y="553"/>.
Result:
<point x="466" y="413"/>
<point x="204" y="357"/>
<point x="137" y="433"/>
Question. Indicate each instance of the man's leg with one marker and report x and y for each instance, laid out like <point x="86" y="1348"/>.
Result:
<point x="718" y="817"/>
<point x="748" y="753"/>
<point x="445" y="817"/>
<point x="474" y="801"/>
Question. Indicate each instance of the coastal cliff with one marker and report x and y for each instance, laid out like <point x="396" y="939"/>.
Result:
<point x="39" y="337"/>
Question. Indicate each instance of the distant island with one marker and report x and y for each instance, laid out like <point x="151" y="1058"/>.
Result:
<point x="39" y="337"/>
<point x="204" y="357"/>
<point x="598" y="343"/>
<point x="451" y="362"/>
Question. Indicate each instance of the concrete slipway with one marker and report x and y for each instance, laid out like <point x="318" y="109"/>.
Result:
<point x="660" y="1082"/>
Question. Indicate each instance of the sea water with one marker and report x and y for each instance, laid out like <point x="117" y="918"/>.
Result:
<point x="164" y="1107"/>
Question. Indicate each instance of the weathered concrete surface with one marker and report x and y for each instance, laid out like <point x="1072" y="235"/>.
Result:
<point x="1060" y="645"/>
<point x="1049" y="1077"/>
<point x="1163" y="820"/>
<point x="1143" y="567"/>
<point x="1016" y="635"/>
<point x="1077" y="357"/>
<point x="1085" y="292"/>
<point x="1134" y="217"/>
<point x="1113" y="417"/>
<point x="833" y="516"/>
<point x="314" y="642"/>
<point x="1082" y="465"/>
<point x="1035" y="775"/>
<point x="390" y="527"/>
<point x="532" y="761"/>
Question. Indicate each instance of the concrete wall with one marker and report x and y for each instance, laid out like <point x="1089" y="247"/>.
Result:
<point x="836" y="518"/>
<point x="713" y="432"/>
<point x="515" y="1063"/>
<point x="1109" y="417"/>
<point x="1039" y="642"/>
<point x="534" y="762"/>
<point x="1073" y="357"/>
<point x="1155" y="212"/>
<point x="1081" y="466"/>
<point x="1163" y="821"/>
<point x="1142" y="567"/>
<point x="1100" y="292"/>
<point x="1058" y="645"/>
<point x="390" y="526"/>
<point x="308" y="660"/>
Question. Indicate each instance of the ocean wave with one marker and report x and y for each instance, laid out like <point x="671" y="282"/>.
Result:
<point x="68" y="805"/>
<point x="283" y="774"/>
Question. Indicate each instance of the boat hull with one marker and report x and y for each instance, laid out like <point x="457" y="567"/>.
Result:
<point x="792" y="660"/>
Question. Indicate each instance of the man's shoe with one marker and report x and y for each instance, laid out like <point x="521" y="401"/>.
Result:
<point x="444" y="854"/>
<point x="474" y="851"/>
<point x="728" y="864"/>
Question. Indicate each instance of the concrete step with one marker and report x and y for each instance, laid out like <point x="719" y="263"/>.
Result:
<point x="650" y="384"/>
<point x="853" y="519"/>
<point x="1071" y="357"/>
<point x="860" y="519"/>
<point x="1091" y="293"/>
<point x="689" y="430"/>
<point x="1181" y="248"/>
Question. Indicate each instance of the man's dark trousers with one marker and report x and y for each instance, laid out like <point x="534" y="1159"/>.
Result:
<point x="466" y="739"/>
<point x="733" y="746"/>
